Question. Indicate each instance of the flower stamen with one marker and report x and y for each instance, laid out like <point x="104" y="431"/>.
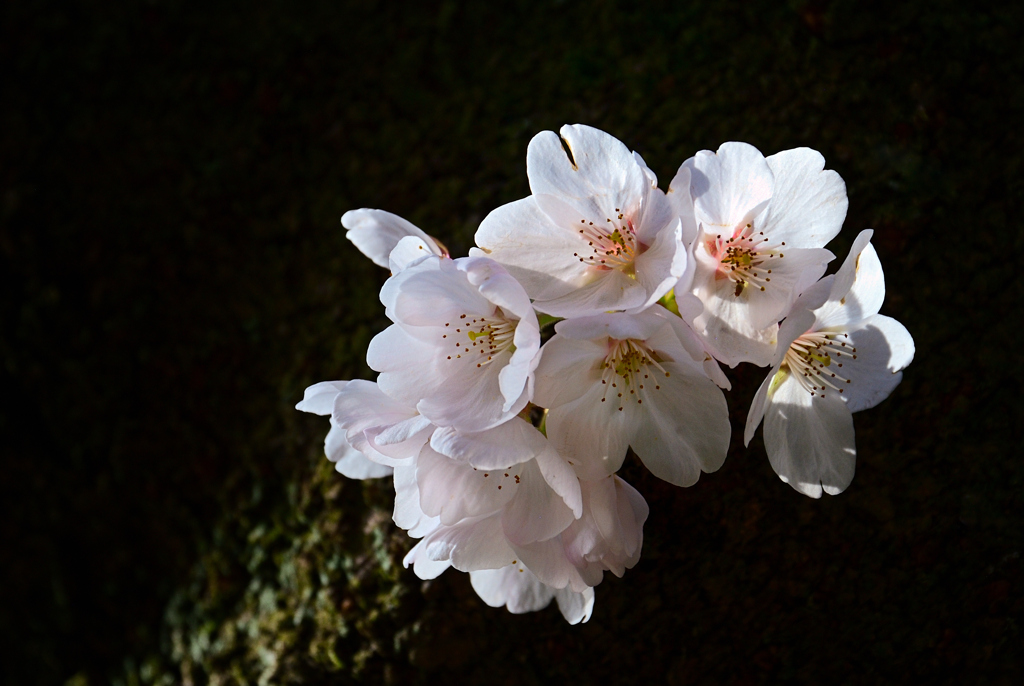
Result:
<point x="606" y="250"/>
<point x="810" y="359"/>
<point x="490" y="335"/>
<point x="746" y="258"/>
<point x="629" y="361"/>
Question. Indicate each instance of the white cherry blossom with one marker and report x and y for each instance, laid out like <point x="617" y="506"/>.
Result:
<point x="837" y="356"/>
<point x="519" y="590"/>
<point x="376" y="233"/>
<point x="480" y="517"/>
<point x="464" y="345"/>
<point x="348" y="460"/>
<point x="617" y="380"/>
<point x="763" y="224"/>
<point x="609" y="536"/>
<point x="595" y="235"/>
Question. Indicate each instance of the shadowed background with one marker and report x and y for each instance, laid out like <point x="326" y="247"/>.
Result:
<point x="174" y="274"/>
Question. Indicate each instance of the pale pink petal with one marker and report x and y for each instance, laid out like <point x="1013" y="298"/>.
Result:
<point x="686" y="425"/>
<point x="729" y="186"/>
<point x="682" y="204"/>
<point x="568" y="369"/>
<point x="858" y="289"/>
<point x="537" y="252"/>
<point x="592" y="434"/>
<point x="409" y="252"/>
<point x="808" y="202"/>
<point x="376" y="233"/>
<point x="609" y="290"/>
<point x="659" y="268"/>
<point x="423" y="565"/>
<point x="652" y="178"/>
<point x="883" y="348"/>
<point x="537" y="512"/>
<point x="601" y="180"/>
<point x="400" y="441"/>
<point x="407" y="513"/>
<point x="471" y="544"/>
<point x="455" y="491"/>
<point x="575" y="607"/>
<point x="350" y="462"/>
<point x="514" y="586"/>
<point x="548" y="561"/>
<point x="319" y="398"/>
<point x="809" y="439"/>
<point x="562" y="479"/>
<point x="513" y="442"/>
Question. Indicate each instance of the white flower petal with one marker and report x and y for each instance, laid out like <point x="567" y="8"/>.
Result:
<point x="422" y="564"/>
<point x="652" y="178"/>
<point x="537" y="252"/>
<point x="471" y="544"/>
<point x="659" y="268"/>
<point x="513" y="442"/>
<point x="455" y="491"/>
<point x="733" y="341"/>
<point x="409" y="252"/>
<point x="757" y="406"/>
<point x="434" y="292"/>
<point x="858" y="289"/>
<point x="408" y="514"/>
<point x="610" y="533"/>
<point x="350" y="462"/>
<point x="601" y="180"/>
<point x="613" y="290"/>
<point x="547" y="560"/>
<point x="399" y="441"/>
<point x="809" y="440"/>
<point x="884" y="348"/>
<point x="729" y="186"/>
<point x="685" y="426"/>
<point x="562" y="479"/>
<point x="536" y="513"/>
<point x="376" y="233"/>
<point x="319" y="398"/>
<point x="808" y="204"/>
<point x="575" y="607"/>
<point x="682" y="204"/>
<point x="514" y="586"/>
<point x="593" y="435"/>
<point x="568" y="369"/>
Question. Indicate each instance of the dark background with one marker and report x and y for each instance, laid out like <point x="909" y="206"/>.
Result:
<point x="173" y="274"/>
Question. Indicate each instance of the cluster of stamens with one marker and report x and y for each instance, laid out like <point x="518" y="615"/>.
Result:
<point x="626" y="371"/>
<point x="745" y="258"/>
<point x="488" y="336"/>
<point x="615" y="249"/>
<point x="500" y="480"/>
<point x="816" y="360"/>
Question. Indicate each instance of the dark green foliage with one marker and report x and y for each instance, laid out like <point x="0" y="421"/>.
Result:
<point x="173" y="274"/>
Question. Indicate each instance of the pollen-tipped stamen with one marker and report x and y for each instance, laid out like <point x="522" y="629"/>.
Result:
<point x="810" y="359"/>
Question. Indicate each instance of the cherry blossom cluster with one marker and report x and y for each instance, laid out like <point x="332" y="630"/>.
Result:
<point x="590" y="321"/>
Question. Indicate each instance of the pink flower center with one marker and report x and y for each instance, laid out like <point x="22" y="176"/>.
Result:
<point x="609" y="247"/>
<point x="745" y="258"/>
